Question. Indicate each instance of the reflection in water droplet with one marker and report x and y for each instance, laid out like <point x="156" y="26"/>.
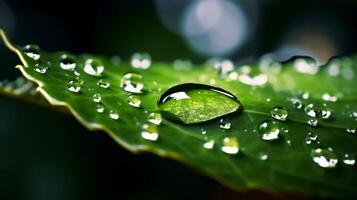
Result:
<point x="306" y="65"/>
<point x="134" y="101"/>
<point x="149" y="132"/>
<point x="324" y="157"/>
<point x="296" y="103"/>
<point x="209" y="144"/>
<point x="318" y="111"/>
<point x="40" y="68"/>
<point x="349" y="159"/>
<point x="351" y="130"/>
<point x="113" y="114"/>
<point x="100" y="108"/>
<point x="132" y="82"/>
<point x="93" y="67"/>
<point x="224" y="124"/>
<point x="193" y="103"/>
<point x="67" y="62"/>
<point x="97" y="97"/>
<point x="312" y="122"/>
<point x="230" y="145"/>
<point x="32" y="51"/>
<point x="155" y="118"/>
<point x="74" y="85"/>
<point x="269" y="130"/>
<point x="279" y="113"/>
<point x="329" y="97"/>
<point x="103" y="83"/>
<point x="141" y="60"/>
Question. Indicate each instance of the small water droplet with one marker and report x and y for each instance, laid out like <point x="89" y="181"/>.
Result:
<point x="76" y="73"/>
<point x="258" y="80"/>
<point x="93" y="67"/>
<point x="103" y="83"/>
<point x="312" y="122"/>
<point x="32" y="51"/>
<point x="329" y="97"/>
<point x="224" y="124"/>
<point x="305" y="95"/>
<point x="155" y="118"/>
<point x="40" y="68"/>
<point x="306" y="65"/>
<point x="279" y="113"/>
<point x="100" y="108"/>
<point x="318" y="111"/>
<point x="349" y="159"/>
<point x="268" y="64"/>
<point x="203" y="131"/>
<point x="209" y="144"/>
<point x="351" y="130"/>
<point x="132" y="82"/>
<point x="269" y="130"/>
<point x="149" y="132"/>
<point x="230" y="145"/>
<point x="224" y="66"/>
<point x="193" y="103"/>
<point x="113" y="114"/>
<point x="67" y="62"/>
<point x="141" y="60"/>
<point x="97" y="97"/>
<point x="296" y="103"/>
<point x="74" y="86"/>
<point x="263" y="156"/>
<point x="134" y="101"/>
<point x="311" y="138"/>
<point x="324" y="157"/>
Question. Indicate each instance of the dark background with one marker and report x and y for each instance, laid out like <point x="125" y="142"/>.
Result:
<point x="47" y="155"/>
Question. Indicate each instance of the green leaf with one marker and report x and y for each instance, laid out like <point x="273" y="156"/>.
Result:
<point x="294" y="132"/>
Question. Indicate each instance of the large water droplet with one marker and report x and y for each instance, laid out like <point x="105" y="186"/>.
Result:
<point x="32" y="51"/>
<point x="279" y="113"/>
<point x="155" y="118"/>
<point x="193" y="103"/>
<point x="269" y="130"/>
<point x="149" y="132"/>
<point x="349" y="159"/>
<point x="132" y="82"/>
<point x="74" y="85"/>
<point x="40" y="68"/>
<point x="103" y="83"/>
<point x="230" y="145"/>
<point x="318" y="111"/>
<point x="141" y="60"/>
<point x="324" y="157"/>
<point x="134" y="101"/>
<point x="67" y="62"/>
<point x="93" y="67"/>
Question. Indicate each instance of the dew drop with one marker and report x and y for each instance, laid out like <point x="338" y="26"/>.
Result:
<point x="132" y="82"/>
<point x="312" y="122"/>
<point x="193" y="103"/>
<point x="97" y="97"/>
<point x="67" y="62"/>
<point x="311" y="138"/>
<point x="329" y="97"/>
<point x="134" y="101"/>
<point x="40" y="68"/>
<point x="306" y="65"/>
<point x="317" y="111"/>
<point x="349" y="159"/>
<point x="351" y="130"/>
<point x="296" y="103"/>
<point x="113" y="114"/>
<point x="305" y="95"/>
<point x="230" y="145"/>
<point x="258" y="80"/>
<point x="224" y="124"/>
<point x="324" y="157"/>
<point x="224" y="66"/>
<point x="269" y="65"/>
<point x="141" y="60"/>
<point x="32" y="51"/>
<point x="279" y="113"/>
<point x="103" y="83"/>
<point x="100" y="108"/>
<point x="149" y="132"/>
<point x="209" y="144"/>
<point x="263" y="156"/>
<point x="74" y="86"/>
<point x="269" y="130"/>
<point x="155" y="118"/>
<point x="93" y="67"/>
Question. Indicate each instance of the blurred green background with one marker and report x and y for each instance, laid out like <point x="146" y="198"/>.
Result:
<point x="48" y="155"/>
